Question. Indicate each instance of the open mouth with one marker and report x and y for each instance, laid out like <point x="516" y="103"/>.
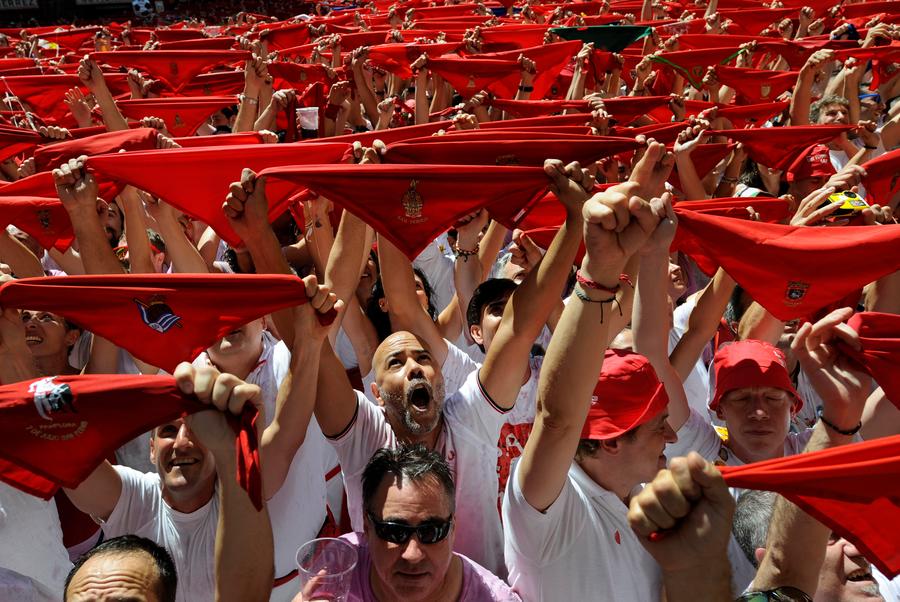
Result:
<point x="33" y="340"/>
<point x="420" y="396"/>
<point x="183" y="462"/>
<point x="861" y="576"/>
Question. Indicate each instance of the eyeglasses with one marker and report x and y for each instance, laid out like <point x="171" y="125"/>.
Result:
<point x="428" y="533"/>
<point x="779" y="594"/>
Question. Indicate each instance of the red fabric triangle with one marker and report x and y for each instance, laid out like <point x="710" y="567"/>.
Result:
<point x="705" y="157"/>
<point x="41" y="185"/>
<point x="470" y="76"/>
<point x="70" y="39"/>
<point x="792" y="271"/>
<point x="52" y="156"/>
<point x="412" y="204"/>
<point x="396" y="58"/>
<point x="756" y="85"/>
<point x="15" y="141"/>
<point x="882" y="58"/>
<point x="15" y="63"/>
<point x="778" y="147"/>
<point x="741" y="116"/>
<point x="753" y="21"/>
<point x="65" y="426"/>
<point x="535" y="108"/>
<point x="865" y="9"/>
<point x="702" y="41"/>
<point x="771" y="210"/>
<point x="466" y="151"/>
<point x="882" y="179"/>
<point x="549" y="60"/>
<point x="175" y="67"/>
<point x="174" y="35"/>
<point x="692" y="64"/>
<point x="510" y="37"/>
<point x="625" y="109"/>
<point x="44" y="219"/>
<point x="551" y="120"/>
<point x="182" y="115"/>
<point x="854" y="489"/>
<point x="162" y="319"/>
<point x="286" y="36"/>
<point x="220" y="83"/>
<point x="295" y="75"/>
<point x="521" y="133"/>
<point x="220" y="140"/>
<point x="223" y="43"/>
<point x="198" y="178"/>
<point x="879" y="337"/>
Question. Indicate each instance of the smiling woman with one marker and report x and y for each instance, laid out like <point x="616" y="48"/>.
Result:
<point x="49" y="337"/>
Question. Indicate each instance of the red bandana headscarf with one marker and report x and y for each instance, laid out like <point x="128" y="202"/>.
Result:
<point x="182" y="115"/>
<point x="411" y="204"/>
<point x="854" y="489"/>
<point x="779" y="147"/>
<point x="60" y="428"/>
<point x="198" y="178"/>
<point x="175" y="67"/>
<point x="162" y="319"/>
<point x="792" y="271"/>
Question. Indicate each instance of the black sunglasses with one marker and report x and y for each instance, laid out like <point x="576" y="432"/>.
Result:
<point x="428" y="533"/>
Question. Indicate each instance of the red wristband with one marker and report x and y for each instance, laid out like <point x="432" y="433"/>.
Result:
<point x="596" y="286"/>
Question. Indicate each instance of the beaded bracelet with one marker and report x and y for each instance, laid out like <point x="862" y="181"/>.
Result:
<point x="466" y="254"/>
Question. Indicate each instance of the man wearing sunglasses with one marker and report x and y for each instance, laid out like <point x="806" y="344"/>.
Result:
<point x="406" y="550"/>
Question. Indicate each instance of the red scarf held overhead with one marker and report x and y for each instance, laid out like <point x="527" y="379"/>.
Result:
<point x="625" y="109"/>
<point x="571" y="119"/>
<point x="467" y="151"/>
<point x="882" y="180"/>
<point x="882" y="57"/>
<point x="197" y="179"/>
<point x="70" y="39"/>
<point x="879" y="338"/>
<point x="523" y="133"/>
<point x="741" y="116"/>
<point x="223" y="43"/>
<point x="692" y="64"/>
<point x="182" y="115"/>
<point x="705" y="157"/>
<point x="162" y="319"/>
<point x="753" y="21"/>
<point x="510" y="37"/>
<point x="175" y="67"/>
<point x="792" y="271"/>
<point x="64" y="426"/>
<point x="42" y="185"/>
<point x="396" y="58"/>
<point x="549" y="60"/>
<point x="286" y="36"/>
<point x="44" y="219"/>
<point x="536" y="108"/>
<point x="778" y="147"/>
<point x="853" y="489"/>
<point x="411" y="205"/>
<point x="220" y="83"/>
<point x="470" y="76"/>
<point x="14" y="141"/>
<point x="770" y="210"/>
<point x="756" y="85"/>
<point x="295" y="75"/>
<point x="51" y="156"/>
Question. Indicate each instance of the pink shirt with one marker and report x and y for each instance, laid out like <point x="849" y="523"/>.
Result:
<point x="478" y="584"/>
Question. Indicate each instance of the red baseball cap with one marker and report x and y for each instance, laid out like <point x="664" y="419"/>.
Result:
<point x="627" y="395"/>
<point x="814" y="162"/>
<point x="751" y="363"/>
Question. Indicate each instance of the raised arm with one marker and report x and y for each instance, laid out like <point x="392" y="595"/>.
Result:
<point x="255" y="73"/>
<point x="77" y="189"/>
<point x="244" y="557"/>
<point x="297" y="394"/>
<point x="92" y="77"/>
<point x="652" y="315"/>
<point x="506" y="365"/>
<point x="802" y="96"/>
<point x="616" y="226"/>
<point x="247" y="211"/>
<point x="185" y="257"/>
<point x="139" y="257"/>
<point x="22" y="262"/>
<point x="795" y="546"/>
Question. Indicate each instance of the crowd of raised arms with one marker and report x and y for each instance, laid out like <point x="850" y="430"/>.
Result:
<point x="431" y="301"/>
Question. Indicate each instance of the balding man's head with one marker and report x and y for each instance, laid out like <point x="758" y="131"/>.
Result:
<point x="409" y="384"/>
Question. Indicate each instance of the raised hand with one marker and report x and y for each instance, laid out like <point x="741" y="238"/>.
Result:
<point x="570" y="183"/>
<point x="246" y="206"/>
<point x="616" y="227"/>
<point x="76" y="188"/>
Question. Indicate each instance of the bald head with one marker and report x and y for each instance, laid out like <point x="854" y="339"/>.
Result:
<point x="396" y="342"/>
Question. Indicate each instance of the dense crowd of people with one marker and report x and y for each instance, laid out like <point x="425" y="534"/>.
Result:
<point x="508" y="301"/>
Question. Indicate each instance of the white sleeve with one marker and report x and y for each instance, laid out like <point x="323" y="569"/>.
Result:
<point x="541" y="537"/>
<point x="696" y="434"/>
<point x="472" y="408"/>
<point x="281" y="363"/>
<point x="138" y="504"/>
<point x="456" y="368"/>
<point x="438" y="268"/>
<point x="368" y="432"/>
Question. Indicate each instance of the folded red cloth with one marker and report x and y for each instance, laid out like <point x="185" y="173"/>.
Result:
<point x="60" y="428"/>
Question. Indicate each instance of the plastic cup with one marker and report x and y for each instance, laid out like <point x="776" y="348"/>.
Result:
<point x="326" y="568"/>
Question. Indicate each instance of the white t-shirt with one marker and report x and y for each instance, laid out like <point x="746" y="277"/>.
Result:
<point x="696" y="385"/>
<point x="297" y="510"/>
<point x="189" y="538"/>
<point x="581" y="548"/>
<point x="31" y="541"/>
<point x="518" y="425"/>
<point x="437" y="263"/>
<point x="468" y="440"/>
<point x="697" y="434"/>
<point x="455" y="369"/>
